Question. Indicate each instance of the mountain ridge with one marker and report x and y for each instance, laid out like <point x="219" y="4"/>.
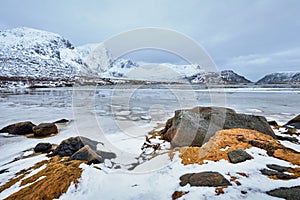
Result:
<point x="42" y="55"/>
<point x="280" y="78"/>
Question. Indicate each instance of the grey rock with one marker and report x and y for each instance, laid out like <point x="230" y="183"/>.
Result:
<point x="2" y="171"/>
<point x="278" y="168"/>
<point x="20" y="128"/>
<point x="295" y="122"/>
<point x="292" y="193"/>
<point x="61" y="121"/>
<point x="287" y="138"/>
<point x="239" y="155"/>
<point x="87" y="154"/>
<point x="43" y="147"/>
<point x="210" y="179"/>
<point x="71" y="145"/>
<point x="195" y="126"/>
<point x="273" y="123"/>
<point x="44" y="129"/>
<point x="279" y="175"/>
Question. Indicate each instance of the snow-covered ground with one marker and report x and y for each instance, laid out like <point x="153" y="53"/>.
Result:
<point x="121" y="117"/>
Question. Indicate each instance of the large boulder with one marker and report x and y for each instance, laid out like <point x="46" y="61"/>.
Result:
<point x="295" y="122"/>
<point x="210" y="179"/>
<point x="87" y="154"/>
<point x="193" y="127"/>
<point x="20" y="128"/>
<point x="45" y="129"/>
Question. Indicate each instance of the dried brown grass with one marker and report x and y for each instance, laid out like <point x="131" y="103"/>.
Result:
<point x="49" y="183"/>
<point x="215" y="149"/>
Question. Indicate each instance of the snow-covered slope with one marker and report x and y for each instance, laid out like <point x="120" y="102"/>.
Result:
<point x="31" y="53"/>
<point x="150" y="71"/>
<point x="281" y="77"/>
<point x="35" y="54"/>
<point x="225" y="77"/>
<point x="98" y="58"/>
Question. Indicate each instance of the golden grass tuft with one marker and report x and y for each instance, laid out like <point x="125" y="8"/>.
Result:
<point x="217" y="147"/>
<point x="51" y="182"/>
<point x="178" y="194"/>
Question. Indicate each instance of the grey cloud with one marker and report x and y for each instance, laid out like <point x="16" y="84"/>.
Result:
<point x="226" y="29"/>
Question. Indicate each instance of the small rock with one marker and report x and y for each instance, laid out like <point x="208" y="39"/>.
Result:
<point x="87" y="154"/>
<point x="106" y="155"/>
<point x="290" y="139"/>
<point x="210" y="179"/>
<point x="278" y="168"/>
<point x="239" y="155"/>
<point x="45" y="129"/>
<point x="4" y="171"/>
<point x="20" y="128"/>
<point x="279" y="175"/>
<point x="43" y="147"/>
<point x="61" y="121"/>
<point x="292" y="193"/>
<point x="295" y="122"/>
<point x="273" y="123"/>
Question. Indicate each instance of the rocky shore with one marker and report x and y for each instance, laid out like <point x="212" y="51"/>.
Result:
<point x="200" y="136"/>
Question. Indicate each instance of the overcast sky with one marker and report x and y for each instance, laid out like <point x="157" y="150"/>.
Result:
<point x="252" y="37"/>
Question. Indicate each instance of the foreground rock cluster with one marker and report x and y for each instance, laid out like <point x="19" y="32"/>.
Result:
<point x="199" y="135"/>
<point x="214" y="133"/>
<point x="27" y="127"/>
<point x="60" y="171"/>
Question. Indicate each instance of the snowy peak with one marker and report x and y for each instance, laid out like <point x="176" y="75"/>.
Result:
<point x="28" y="37"/>
<point x="99" y="59"/>
<point x="280" y="77"/>
<point x="31" y="53"/>
<point x="225" y="77"/>
<point x="229" y="76"/>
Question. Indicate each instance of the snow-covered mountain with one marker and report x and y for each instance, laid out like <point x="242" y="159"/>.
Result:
<point x="224" y="77"/>
<point x="27" y="53"/>
<point x="99" y="58"/>
<point x="31" y="53"/>
<point x="280" y="77"/>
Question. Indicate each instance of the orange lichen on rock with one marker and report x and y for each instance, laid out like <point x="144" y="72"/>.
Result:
<point x="228" y="140"/>
<point x="50" y="182"/>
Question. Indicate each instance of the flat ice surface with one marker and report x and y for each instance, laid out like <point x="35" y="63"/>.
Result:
<point x="121" y="116"/>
